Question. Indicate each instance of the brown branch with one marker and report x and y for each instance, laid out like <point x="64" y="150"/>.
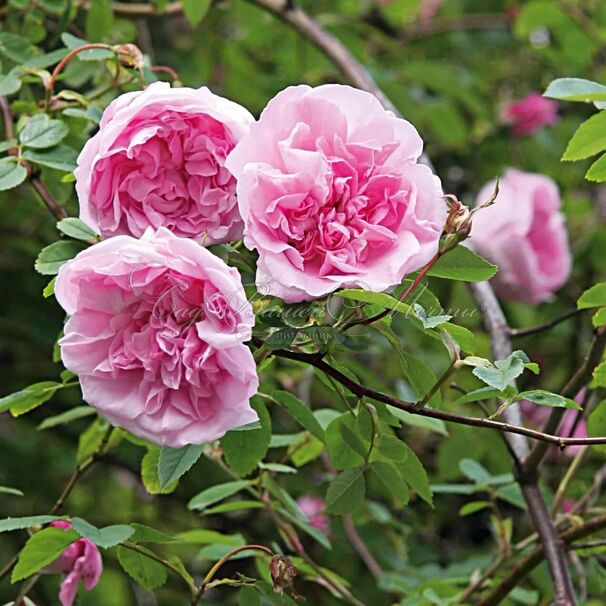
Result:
<point x="580" y="378"/>
<point x="525" y="567"/>
<point x="360" y="390"/>
<point x="523" y="332"/>
<point x="358" y="544"/>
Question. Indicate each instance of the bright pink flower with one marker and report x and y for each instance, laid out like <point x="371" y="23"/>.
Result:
<point x="524" y="233"/>
<point x="156" y="334"/>
<point x="314" y="510"/>
<point x="158" y="160"/>
<point x="81" y="561"/>
<point x="331" y="194"/>
<point x="529" y="114"/>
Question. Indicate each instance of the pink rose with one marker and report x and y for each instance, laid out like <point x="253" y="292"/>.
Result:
<point x="332" y="196"/>
<point x="313" y="508"/>
<point x="529" y="114"/>
<point x="158" y="160"/>
<point x="81" y="561"/>
<point x="523" y="233"/>
<point x="156" y="334"/>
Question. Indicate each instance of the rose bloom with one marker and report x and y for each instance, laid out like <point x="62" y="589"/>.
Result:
<point x="313" y="508"/>
<point x="523" y="233"/>
<point x="158" y="160"/>
<point x="332" y="196"/>
<point x="81" y="561"/>
<point x="156" y="334"/>
<point x="529" y="114"/>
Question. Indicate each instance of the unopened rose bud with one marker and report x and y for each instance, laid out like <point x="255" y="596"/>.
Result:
<point x="129" y="55"/>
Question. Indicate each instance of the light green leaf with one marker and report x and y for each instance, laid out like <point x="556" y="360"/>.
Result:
<point x="474" y="471"/>
<point x="382" y="300"/>
<point x="429" y="321"/>
<point x="175" y="462"/>
<point x="217" y="493"/>
<point x="11" y="524"/>
<point x="576" y="89"/>
<point x="599" y="375"/>
<point x="75" y="228"/>
<point x="599" y="318"/>
<point x="462" y="264"/>
<point x="146" y="534"/>
<point x="42" y="549"/>
<point x="597" y="171"/>
<point x="68" y="416"/>
<point x="203" y="536"/>
<point x="546" y="398"/>
<point x="436" y="425"/>
<point x="60" y="157"/>
<point x="12" y="491"/>
<point x="588" y="140"/>
<point x="244" y="449"/>
<point x="103" y="537"/>
<point x="301" y="413"/>
<point x="51" y="258"/>
<point x="504" y="371"/>
<point x="11" y="173"/>
<point x="593" y="297"/>
<point x="29" y="398"/>
<point x="143" y="569"/>
<point x="415" y="476"/>
<point x="195" y="10"/>
<point x="93" y="54"/>
<point x="9" y="84"/>
<point x="149" y="473"/>
<point x="474" y="507"/>
<point x="346" y="492"/>
<point x="99" y="20"/>
<point x="41" y="132"/>
<point x="277" y="468"/>
<point x="233" y="506"/>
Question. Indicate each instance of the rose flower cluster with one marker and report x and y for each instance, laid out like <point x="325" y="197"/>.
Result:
<point x="326" y="186"/>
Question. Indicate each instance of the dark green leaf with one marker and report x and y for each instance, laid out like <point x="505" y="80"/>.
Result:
<point x="346" y="492"/>
<point x="41" y="132"/>
<point x="143" y="569"/>
<point x="55" y="255"/>
<point x="103" y="537"/>
<point x="217" y="493"/>
<point x="75" y="228"/>
<point x="301" y="413"/>
<point x="175" y="462"/>
<point x="463" y="264"/>
<point x="195" y="10"/>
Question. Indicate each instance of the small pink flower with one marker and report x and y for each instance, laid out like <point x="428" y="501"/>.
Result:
<point x="524" y="233"/>
<point x="332" y="195"/>
<point x="156" y="335"/>
<point x="567" y="505"/>
<point x="529" y="114"/>
<point x="313" y="508"/>
<point x="158" y="160"/>
<point x="81" y="561"/>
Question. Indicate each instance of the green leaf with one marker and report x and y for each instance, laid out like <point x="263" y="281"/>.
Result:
<point x="217" y="493"/>
<point x="11" y="524"/>
<point x="382" y="300"/>
<point x="301" y="413"/>
<point x="588" y="140"/>
<point x="414" y="475"/>
<point x="346" y="492"/>
<point x="597" y="171"/>
<point x="42" y="549"/>
<point x="49" y="289"/>
<point x="103" y="537"/>
<point x="93" y="54"/>
<point x="485" y="393"/>
<point x="195" y="10"/>
<point x="9" y="144"/>
<point x="12" y="491"/>
<point x="462" y="264"/>
<point x="576" y="89"/>
<point x="599" y="375"/>
<point x="11" y="174"/>
<point x="341" y="453"/>
<point x="436" y="425"/>
<point x="51" y="258"/>
<point x="145" y="571"/>
<point x="78" y="412"/>
<point x="244" y="449"/>
<point x="473" y="507"/>
<point x="504" y="371"/>
<point x="60" y="157"/>
<point x="277" y="467"/>
<point x="175" y="462"/>
<point x="203" y="536"/>
<point x="75" y="228"/>
<point x="391" y="480"/>
<point x="596" y="424"/>
<point x="546" y="398"/>
<point x="429" y="321"/>
<point x="421" y="378"/>
<point x="233" y="506"/>
<point x="593" y="297"/>
<point x="149" y="473"/>
<point x="41" y="132"/>
<point x="29" y="398"/>
<point x="99" y="20"/>
<point x="16" y="48"/>
<point x="249" y="596"/>
<point x="146" y="534"/>
<point x="463" y="336"/>
<point x="599" y="318"/>
<point x="9" y="84"/>
<point x="474" y="471"/>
